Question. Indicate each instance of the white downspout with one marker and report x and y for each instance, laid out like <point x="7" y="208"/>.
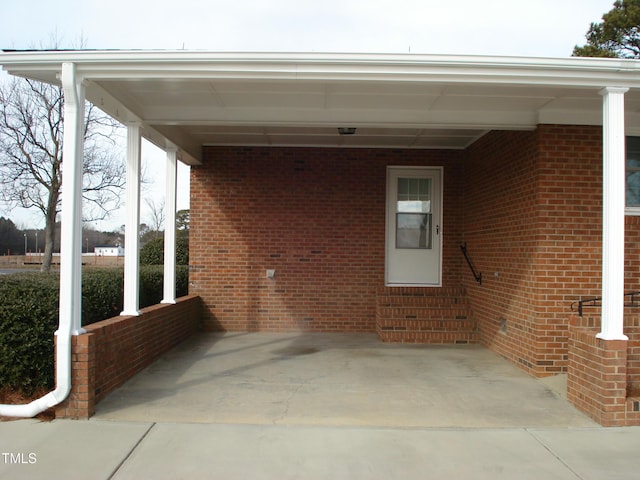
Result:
<point x="69" y="319"/>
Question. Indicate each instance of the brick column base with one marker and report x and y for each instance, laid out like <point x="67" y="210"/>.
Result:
<point x="597" y="376"/>
<point x="80" y="404"/>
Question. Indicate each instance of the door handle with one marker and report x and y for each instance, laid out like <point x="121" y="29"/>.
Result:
<point x="437" y="229"/>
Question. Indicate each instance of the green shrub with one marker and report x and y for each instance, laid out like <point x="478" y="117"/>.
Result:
<point x="28" y="319"/>
<point x="29" y="316"/>
<point x="182" y="280"/>
<point x="152" y="283"/>
<point x="152" y="253"/>
<point x="102" y="292"/>
<point x="182" y="250"/>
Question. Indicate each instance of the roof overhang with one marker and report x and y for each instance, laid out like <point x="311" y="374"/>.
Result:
<point x="192" y="99"/>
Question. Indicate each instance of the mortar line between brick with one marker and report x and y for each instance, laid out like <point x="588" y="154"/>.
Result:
<point x="557" y="457"/>
<point x="119" y="466"/>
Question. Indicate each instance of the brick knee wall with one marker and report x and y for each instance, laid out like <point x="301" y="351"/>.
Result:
<point x="602" y="374"/>
<point x="633" y="361"/>
<point x="114" y="350"/>
<point x="632" y="330"/>
<point x="597" y="377"/>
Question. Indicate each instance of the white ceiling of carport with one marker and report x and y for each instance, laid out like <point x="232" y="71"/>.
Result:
<point x="389" y="115"/>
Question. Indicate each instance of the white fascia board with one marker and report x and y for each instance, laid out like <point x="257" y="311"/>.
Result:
<point x="574" y="71"/>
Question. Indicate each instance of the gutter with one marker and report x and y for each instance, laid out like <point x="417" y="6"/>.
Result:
<point x="184" y="64"/>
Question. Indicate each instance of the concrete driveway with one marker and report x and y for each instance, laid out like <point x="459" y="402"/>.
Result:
<point x="337" y="380"/>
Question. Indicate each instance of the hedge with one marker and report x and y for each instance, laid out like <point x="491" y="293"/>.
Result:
<point x="29" y="316"/>
<point x="152" y="281"/>
<point x="102" y="294"/>
<point x="152" y="253"/>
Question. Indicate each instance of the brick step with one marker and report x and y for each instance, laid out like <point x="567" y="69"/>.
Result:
<point x="413" y="297"/>
<point x="426" y="325"/>
<point x="422" y="302"/>
<point x="424" y="315"/>
<point x="431" y="338"/>
<point x="414" y="292"/>
<point x="446" y="312"/>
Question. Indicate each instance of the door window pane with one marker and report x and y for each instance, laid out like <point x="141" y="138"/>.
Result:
<point x="413" y="213"/>
<point x="413" y="230"/>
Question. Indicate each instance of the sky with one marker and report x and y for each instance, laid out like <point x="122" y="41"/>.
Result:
<point x="529" y="28"/>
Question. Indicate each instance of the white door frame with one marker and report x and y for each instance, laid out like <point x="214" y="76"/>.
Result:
<point x="438" y="215"/>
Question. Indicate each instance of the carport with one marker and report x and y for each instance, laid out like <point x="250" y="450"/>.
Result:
<point x="298" y="164"/>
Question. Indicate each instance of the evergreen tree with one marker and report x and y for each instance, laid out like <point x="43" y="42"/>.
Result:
<point x="11" y="239"/>
<point x="618" y="35"/>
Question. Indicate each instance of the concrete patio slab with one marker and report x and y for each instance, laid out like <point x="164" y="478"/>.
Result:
<point x="336" y="379"/>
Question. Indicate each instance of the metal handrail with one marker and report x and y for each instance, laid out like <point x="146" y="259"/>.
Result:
<point x="597" y="302"/>
<point x="476" y="275"/>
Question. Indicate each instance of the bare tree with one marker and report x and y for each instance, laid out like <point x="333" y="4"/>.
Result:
<point x="31" y="155"/>
<point x="156" y="215"/>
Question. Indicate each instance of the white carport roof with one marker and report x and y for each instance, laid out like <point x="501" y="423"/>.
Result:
<point x="192" y="99"/>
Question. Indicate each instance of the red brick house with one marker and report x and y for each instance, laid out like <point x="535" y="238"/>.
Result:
<point x="429" y="199"/>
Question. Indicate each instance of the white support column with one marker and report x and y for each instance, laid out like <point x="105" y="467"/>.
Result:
<point x="71" y="214"/>
<point x="613" y="214"/>
<point x="170" y="228"/>
<point x="132" y="225"/>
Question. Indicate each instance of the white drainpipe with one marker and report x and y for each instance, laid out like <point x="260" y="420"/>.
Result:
<point x="63" y="380"/>
<point x="69" y="320"/>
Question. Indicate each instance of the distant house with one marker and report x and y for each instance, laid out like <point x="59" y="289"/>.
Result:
<point x="109" y="251"/>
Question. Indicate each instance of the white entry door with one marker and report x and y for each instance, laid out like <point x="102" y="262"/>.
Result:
<point x="414" y="219"/>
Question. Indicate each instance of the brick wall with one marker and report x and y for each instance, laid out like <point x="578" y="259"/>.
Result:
<point x="114" y="350"/>
<point x="500" y="232"/>
<point x="632" y="254"/>
<point x="315" y="216"/>
<point x="569" y="250"/>
<point x="533" y="227"/>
